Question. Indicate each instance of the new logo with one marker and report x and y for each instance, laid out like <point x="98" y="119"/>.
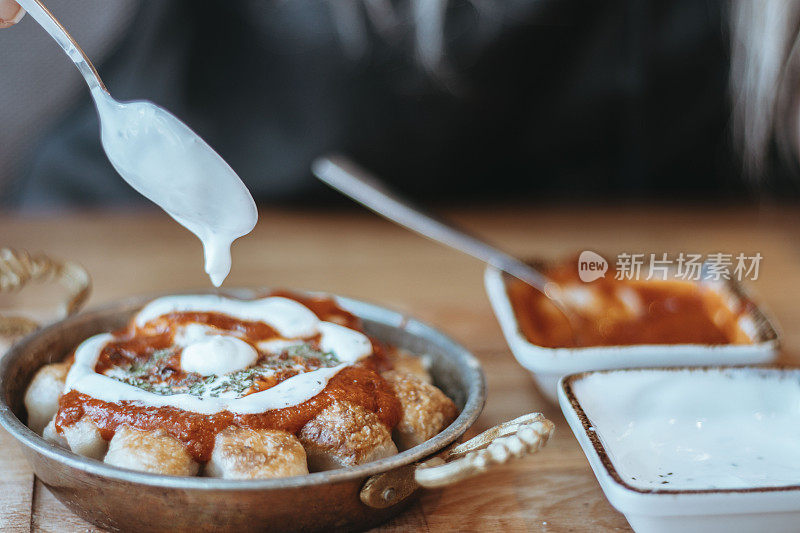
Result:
<point x="591" y="266"/>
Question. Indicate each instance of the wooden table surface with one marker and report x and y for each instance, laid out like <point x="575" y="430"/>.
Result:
<point x="356" y="254"/>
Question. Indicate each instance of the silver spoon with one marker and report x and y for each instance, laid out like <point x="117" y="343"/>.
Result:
<point x="53" y="27"/>
<point x="347" y="177"/>
<point x="164" y="160"/>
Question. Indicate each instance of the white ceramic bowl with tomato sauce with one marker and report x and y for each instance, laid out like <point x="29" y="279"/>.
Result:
<point x="547" y="365"/>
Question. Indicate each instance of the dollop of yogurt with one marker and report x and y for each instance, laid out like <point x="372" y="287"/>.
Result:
<point x="350" y="345"/>
<point x="217" y="355"/>
<point x="168" y="163"/>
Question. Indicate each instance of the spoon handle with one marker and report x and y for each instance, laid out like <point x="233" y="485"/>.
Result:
<point x="353" y="181"/>
<point x="51" y="25"/>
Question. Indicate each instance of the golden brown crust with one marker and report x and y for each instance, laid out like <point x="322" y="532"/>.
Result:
<point x="150" y="451"/>
<point x="242" y="453"/>
<point x="41" y="398"/>
<point x="426" y="409"/>
<point x="344" y="434"/>
<point x="408" y="363"/>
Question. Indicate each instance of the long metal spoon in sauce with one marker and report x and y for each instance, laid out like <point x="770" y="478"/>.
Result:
<point x="347" y="177"/>
<point x="165" y="161"/>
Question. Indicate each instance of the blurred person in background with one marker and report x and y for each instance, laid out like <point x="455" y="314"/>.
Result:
<point x="447" y="100"/>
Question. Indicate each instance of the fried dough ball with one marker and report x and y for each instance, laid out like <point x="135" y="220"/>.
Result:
<point x="41" y="398"/>
<point x="150" y="451"/>
<point x="344" y="434"/>
<point x="426" y="409"/>
<point x="52" y="436"/>
<point x="84" y="438"/>
<point x="407" y="363"/>
<point x="241" y="453"/>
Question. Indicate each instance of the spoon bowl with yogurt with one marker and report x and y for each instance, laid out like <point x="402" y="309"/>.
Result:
<point x="165" y="161"/>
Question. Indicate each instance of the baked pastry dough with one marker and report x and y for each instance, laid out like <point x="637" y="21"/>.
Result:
<point x="83" y="437"/>
<point x="52" y="435"/>
<point x="426" y="410"/>
<point x="41" y="398"/>
<point x="150" y="451"/>
<point x="344" y="434"/>
<point x="407" y="363"/>
<point x="243" y="453"/>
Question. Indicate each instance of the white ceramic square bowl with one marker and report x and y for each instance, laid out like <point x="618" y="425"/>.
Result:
<point x="548" y="365"/>
<point x="692" y="449"/>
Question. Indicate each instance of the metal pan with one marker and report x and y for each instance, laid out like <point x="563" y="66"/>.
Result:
<point x="350" y="498"/>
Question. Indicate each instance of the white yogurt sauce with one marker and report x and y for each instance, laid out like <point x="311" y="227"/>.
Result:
<point x="208" y="352"/>
<point x="697" y="429"/>
<point x="165" y="161"/>
<point x="187" y="334"/>
<point x="289" y="317"/>
<point x="217" y="355"/>
<point x="211" y="351"/>
<point x="347" y="344"/>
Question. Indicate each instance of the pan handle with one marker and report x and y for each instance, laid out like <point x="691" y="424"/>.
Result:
<point x="495" y="446"/>
<point x="18" y="268"/>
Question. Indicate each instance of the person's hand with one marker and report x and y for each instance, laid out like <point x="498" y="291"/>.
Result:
<point x="10" y="13"/>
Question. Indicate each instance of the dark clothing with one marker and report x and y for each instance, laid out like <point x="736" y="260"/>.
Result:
<point x="535" y="99"/>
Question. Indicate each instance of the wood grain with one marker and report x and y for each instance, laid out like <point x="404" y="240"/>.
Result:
<point x="359" y="255"/>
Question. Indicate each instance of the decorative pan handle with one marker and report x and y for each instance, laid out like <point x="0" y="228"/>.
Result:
<point x="498" y="445"/>
<point x="18" y="268"/>
<point x="495" y="446"/>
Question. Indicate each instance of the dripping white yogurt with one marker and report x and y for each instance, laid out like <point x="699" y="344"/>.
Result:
<point x="697" y="429"/>
<point x="168" y="163"/>
<point x="289" y="317"/>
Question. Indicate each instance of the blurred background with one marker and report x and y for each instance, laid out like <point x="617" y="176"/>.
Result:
<point x="450" y="101"/>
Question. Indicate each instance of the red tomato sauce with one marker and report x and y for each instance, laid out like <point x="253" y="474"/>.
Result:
<point x="360" y="384"/>
<point x="668" y="312"/>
